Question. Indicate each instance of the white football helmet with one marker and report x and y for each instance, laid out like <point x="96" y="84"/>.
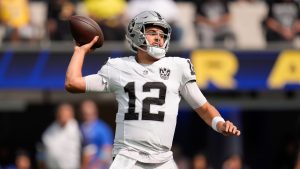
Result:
<point x="135" y="33"/>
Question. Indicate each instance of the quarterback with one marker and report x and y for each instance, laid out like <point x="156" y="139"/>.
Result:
<point x="148" y="88"/>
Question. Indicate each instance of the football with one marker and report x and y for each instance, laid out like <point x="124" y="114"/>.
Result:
<point x="84" y="29"/>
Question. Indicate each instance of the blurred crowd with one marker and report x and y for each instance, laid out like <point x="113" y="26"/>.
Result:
<point x="205" y="23"/>
<point x="70" y="142"/>
<point x="78" y="138"/>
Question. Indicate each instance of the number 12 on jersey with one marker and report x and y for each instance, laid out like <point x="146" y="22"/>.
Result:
<point x="146" y="114"/>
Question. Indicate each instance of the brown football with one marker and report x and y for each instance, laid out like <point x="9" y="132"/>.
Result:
<point x="84" y="29"/>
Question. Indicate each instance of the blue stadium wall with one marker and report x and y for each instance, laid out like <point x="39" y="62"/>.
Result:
<point x="215" y="69"/>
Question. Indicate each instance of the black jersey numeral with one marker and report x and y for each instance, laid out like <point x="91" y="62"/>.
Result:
<point x="147" y="102"/>
<point x="131" y="115"/>
<point x="191" y="67"/>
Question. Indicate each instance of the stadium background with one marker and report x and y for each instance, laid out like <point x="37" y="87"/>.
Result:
<point x="257" y="87"/>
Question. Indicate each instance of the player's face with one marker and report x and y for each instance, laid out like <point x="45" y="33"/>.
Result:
<point x="155" y="36"/>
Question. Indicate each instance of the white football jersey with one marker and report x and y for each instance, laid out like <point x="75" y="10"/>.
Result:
<point x="148" y="99"/>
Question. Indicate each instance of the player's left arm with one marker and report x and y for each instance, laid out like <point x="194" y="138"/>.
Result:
<point x="206" y="111"/>
<point x="211" y="115"/>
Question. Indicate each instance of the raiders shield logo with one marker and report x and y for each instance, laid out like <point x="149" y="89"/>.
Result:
<point x="164" y="73"/>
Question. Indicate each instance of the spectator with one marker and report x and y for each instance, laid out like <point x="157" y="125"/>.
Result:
<point x="97" y="144"/>
<point x="110" y="16"/>
<point x="16" y="18"/>
<point x="58" y="13"/>
<point x="200" y="161"/>
<point x="212" y="22"/>
<point x="283" y="22"/>
<point x="234" y="161"/>
<point x="180" y="159"/>
<point x="62" y="140"/>
<point x="167" y="8"/>
<point x="22" y="161"/>
<point x="248" y="32"/>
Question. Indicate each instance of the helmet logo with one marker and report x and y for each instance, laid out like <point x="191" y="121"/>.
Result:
<point x="158" y="15"/>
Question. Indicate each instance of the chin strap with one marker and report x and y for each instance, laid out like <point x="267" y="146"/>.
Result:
<point x="156" y="52"/>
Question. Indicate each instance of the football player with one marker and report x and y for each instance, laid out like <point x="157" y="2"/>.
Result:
<point x="148" y="88"/>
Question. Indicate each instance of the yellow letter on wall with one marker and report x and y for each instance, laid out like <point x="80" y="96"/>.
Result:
<point x="286" y="70"/>
<point x="215" y="66"/>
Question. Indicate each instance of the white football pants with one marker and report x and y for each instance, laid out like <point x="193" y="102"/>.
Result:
<point x="123" y="162"/>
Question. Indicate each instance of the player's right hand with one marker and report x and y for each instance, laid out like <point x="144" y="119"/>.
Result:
<point x="87" y="47"/>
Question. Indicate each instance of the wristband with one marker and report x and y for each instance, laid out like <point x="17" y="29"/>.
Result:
<point x="215" y="121"/>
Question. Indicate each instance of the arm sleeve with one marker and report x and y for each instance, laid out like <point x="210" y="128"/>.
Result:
<point x="98" y="82"/>
<point x="192" y="94"/>
<point x="95" y="83"/>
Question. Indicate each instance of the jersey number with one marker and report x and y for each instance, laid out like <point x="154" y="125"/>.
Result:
<point x="146" y="115"/>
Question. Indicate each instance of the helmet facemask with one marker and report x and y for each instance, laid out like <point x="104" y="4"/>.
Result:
<point x="136" y="33"/>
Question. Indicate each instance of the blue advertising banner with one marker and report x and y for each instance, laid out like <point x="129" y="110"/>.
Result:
<point x="247" y="70"/>
<point x="215" y="69"/>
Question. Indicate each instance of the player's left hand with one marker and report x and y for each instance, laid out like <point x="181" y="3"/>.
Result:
<point x="228" y="129"/>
